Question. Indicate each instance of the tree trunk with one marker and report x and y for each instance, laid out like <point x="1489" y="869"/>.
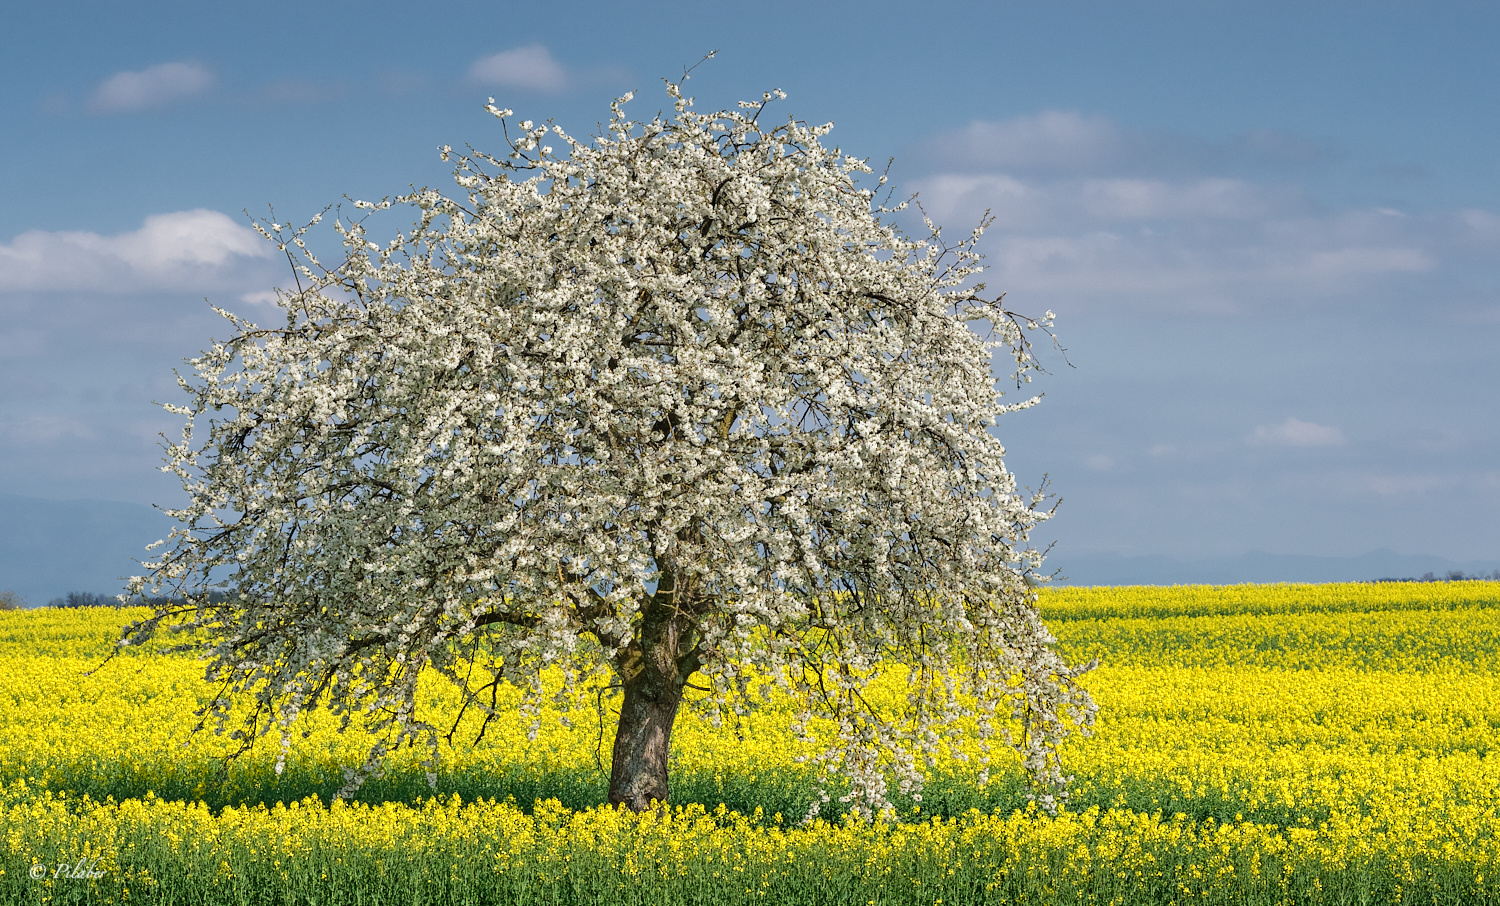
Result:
<point x="638" y="777"/>
<point x="654" y="670"/>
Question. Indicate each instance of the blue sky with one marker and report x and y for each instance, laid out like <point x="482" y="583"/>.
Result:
<point x="1270" y="231"/>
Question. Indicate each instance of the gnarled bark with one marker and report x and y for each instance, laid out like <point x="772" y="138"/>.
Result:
<point x="643" y="742"/>
<point x="654" y="672"/>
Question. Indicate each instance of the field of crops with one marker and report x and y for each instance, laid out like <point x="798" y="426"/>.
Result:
<point x="1255" y="744"/>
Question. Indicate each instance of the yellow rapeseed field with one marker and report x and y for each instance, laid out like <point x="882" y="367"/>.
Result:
<point x="1255" y="744"/>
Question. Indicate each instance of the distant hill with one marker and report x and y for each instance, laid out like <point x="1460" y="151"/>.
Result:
<point x="1255" y="566"/>
<point x="51" y="547"/>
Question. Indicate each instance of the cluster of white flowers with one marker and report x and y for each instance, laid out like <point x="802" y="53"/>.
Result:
<point x="680" y="400"/>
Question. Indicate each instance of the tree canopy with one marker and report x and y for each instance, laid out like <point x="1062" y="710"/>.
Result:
<point x="676" y="406"/>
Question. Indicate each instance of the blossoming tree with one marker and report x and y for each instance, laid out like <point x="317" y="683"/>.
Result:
<point x="676" y="408"/>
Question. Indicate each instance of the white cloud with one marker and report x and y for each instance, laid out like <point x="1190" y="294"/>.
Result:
<point x="264" y="297"/>
<point x="1098" y="462"/>
<point x="1054" y="140"/>
<point x="1070" y="204"/>
<point x="1157" y="199"/>
<point x="530" y="67"/>
<point x="182" y="250"/>
<point x="154" y="86"/>
<point x="1296" y="433"/>
<point x="1475" y="231"/>
<point x="1068" y="143"/>
<point x="1089" y="213"/>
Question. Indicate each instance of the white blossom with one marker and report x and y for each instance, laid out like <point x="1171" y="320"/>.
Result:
<point x="691" y="369"/>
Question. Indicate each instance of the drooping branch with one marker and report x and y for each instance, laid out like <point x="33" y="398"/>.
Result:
<point x="683" y="391"/>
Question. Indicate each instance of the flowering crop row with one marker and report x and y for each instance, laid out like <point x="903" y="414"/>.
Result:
<point x="1255" y="744"/>
<point x="439" y="851"/>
